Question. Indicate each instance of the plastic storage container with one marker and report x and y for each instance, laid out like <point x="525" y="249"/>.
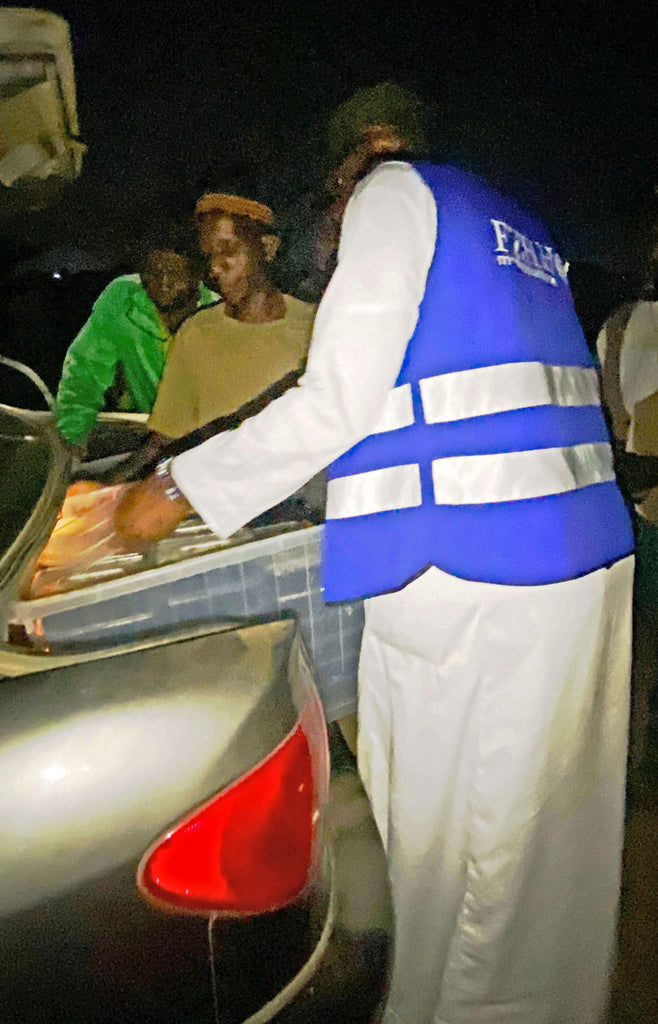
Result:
<point x="275" y="576"/>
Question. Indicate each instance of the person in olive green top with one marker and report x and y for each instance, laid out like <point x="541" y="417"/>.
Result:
<point x="227" y="355"/>
<point x="125" y="342"/>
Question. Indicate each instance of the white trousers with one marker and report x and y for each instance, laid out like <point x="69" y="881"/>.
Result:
<point x="492" y="743"/>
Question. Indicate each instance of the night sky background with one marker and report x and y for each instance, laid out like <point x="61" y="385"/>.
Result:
<point x="557" y="103"/>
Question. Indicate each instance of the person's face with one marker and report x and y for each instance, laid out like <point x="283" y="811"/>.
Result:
<point x="233" y="260"/>
<point x="169" y="281"/>
<point x="376" y="140"/>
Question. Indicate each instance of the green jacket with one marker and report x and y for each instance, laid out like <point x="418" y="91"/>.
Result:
<point x="124" y="337"/>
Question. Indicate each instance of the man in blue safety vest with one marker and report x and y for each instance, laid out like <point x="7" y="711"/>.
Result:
<point x="472" y="503"/>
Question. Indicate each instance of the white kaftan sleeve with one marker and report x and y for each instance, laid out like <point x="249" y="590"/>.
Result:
<point x="638" y="370"/>
<point x="361" y="331"/>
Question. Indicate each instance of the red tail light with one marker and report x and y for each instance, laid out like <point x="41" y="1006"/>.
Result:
<point x="254" y="847"/>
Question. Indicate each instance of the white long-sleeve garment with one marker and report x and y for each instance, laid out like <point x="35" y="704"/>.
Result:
<point x="361" y="332"/>
<point x="492" y="719"/>
<point x="638" y="363"/>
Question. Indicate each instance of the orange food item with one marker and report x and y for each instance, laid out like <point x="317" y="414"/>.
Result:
<point x="82" y="487"/>
<point x="84" y="529"/>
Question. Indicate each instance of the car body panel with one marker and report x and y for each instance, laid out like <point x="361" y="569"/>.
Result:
<point x="34" y="469"/>
<point x="123" y="746"/>
<point x="102" y="753"/>
<point x="101" y="954"/>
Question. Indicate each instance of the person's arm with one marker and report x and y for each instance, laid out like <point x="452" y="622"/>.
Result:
<point x="609" y="344"/>
<point x="636" y="451"/>
<point x="361" y="333"/>
<point x="645" y="426"/>
<point x="637" y="470"/>
<point x="156" y="447"/>
<point x="89" y="370"/>
<point x="176" y="407"/>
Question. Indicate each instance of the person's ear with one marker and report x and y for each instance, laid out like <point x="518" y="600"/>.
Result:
<point x="271" y="246"/>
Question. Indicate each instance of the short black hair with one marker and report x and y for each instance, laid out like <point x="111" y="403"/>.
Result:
<point x="178" y="237"/>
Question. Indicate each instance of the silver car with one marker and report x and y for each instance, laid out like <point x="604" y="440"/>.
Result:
<point x="173" y="847"/>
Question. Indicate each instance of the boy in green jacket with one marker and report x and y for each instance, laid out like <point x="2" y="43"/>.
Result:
<point x="126" y="341"/>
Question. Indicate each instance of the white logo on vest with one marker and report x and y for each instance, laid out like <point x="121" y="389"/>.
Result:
<point x="533" y="258"/>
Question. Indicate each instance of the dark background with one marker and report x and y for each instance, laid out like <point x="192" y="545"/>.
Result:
<point x="556" y="102"/>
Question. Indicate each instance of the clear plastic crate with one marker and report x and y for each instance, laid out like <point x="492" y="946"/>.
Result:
<point x="279" y="575"/>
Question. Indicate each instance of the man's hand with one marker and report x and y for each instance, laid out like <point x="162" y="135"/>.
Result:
<point x="147" y="513"/>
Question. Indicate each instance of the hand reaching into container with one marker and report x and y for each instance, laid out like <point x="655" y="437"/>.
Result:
<point x="84" y="529"/>
<point x="151" y="509"/>
<point x="83" y="536"/>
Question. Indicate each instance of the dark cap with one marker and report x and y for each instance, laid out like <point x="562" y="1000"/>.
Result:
<point x="383" y="104"/>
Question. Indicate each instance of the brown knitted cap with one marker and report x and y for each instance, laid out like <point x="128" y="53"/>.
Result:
<point x="234" y="206"/>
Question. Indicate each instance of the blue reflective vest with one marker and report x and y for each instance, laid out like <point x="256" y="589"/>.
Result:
<point x="492" y="458"/>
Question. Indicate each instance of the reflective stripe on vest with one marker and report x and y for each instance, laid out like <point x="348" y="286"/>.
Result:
<point x="398" y="410"/>
<point x="517" y="476"/>
<point x="380" y="490"/>
<point x="473" y="480"/>
<point x="492" y="389"/>
<point x="480" y="479"/>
